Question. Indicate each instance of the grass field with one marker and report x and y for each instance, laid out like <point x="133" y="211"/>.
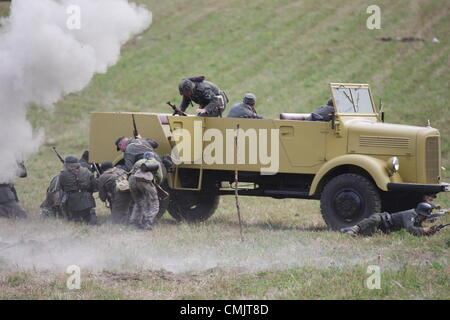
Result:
<point x="286" y="52"/>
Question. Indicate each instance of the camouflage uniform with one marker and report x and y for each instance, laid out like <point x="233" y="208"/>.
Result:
<point x="52" y="205"/>
<point x="119" y="201"/>
<point x="207" y="95"/>
<point x="78" y="184"/>
<point x="144" y="193"/>
<point x="9" y="202"/>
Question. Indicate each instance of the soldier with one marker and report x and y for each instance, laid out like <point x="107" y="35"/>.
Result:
<point x="246" y="109"/>
<point x="411" y="220"/>
<point x="324" y="113"/>
<point x="211" y="99"/>
<point x="9" y="202"/>
<point x="134" y="149"/>
<point x="52" y="205"/>
<point x="429" y="198"/>
<point x="120" y="201"/>
<point x="78" y="184"/>
<point x="144" y="179"/>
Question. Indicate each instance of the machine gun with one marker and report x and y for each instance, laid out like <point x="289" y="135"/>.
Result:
<point x="58" y="155"/>
<point x="439" y="227"/>
<point x="176" y="110"/>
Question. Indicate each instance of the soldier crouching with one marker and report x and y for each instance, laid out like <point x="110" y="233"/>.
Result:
<point x="110" y="191"/>
<point x="144" y="179"/>
<point x="78" y="184"/>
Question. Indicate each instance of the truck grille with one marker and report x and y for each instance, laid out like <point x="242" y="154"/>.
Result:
<point x="432" y="159"/>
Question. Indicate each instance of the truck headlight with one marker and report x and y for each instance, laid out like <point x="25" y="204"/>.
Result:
<point x="393" y="165"/>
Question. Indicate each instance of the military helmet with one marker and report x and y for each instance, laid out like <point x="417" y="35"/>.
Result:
<point x="118" y="141"/>
<point x="106" y="165"/>
<point x="330" y="102"/>
<point x="424" y="209"/>
<point x="186" y="86"/>
<point x="249" y="98"/>
<point x="70" y="159"/>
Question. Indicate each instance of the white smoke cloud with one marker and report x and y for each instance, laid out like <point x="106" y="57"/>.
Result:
<point x="42" y="58"/>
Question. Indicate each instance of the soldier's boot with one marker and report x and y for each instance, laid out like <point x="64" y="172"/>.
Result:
<point x="353" y="231"/>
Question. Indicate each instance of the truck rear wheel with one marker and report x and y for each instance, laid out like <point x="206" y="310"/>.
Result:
<point x="193" y="206"/>
<point x="347" y="199"/>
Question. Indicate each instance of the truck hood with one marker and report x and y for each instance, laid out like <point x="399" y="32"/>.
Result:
<point x="369" y="137"/>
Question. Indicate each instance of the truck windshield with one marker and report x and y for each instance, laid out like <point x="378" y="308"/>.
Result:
<point x="352" y="100"/>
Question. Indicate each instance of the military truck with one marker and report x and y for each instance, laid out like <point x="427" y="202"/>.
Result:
<point x="355" y="164"/>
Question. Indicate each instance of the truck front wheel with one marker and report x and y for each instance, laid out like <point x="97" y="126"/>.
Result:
<point x="347" y="199"/>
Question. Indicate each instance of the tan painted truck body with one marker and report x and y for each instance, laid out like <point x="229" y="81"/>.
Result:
<point x="312" y="153"/>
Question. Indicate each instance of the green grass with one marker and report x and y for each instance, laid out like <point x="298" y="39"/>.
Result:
<point x="286" y="52"/>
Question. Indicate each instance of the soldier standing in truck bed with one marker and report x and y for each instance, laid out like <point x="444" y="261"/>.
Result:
<point x="411" y="220"/>
<point x="9" y="202"/>
<point x="211" y="99"/>
<point x="78" y="184"/>
<point x="120" y="201"/>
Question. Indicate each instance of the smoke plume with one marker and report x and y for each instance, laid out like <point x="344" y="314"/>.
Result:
<point x="50" y="48"/>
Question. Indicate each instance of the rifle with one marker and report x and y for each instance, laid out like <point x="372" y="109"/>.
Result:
<point x="176" y="110"/>
<point x="96" y="169"/>
<point x="59" y="156"/>
<point x="135" y="130"/>
<point x="440" y="226"/>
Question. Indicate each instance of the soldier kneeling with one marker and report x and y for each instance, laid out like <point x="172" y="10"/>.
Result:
<point x="144" y="179"/>
<point x="78" y="184"/>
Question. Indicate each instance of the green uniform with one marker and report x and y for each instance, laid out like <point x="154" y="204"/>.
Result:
<point x="242" y="110"/>
<point x="78" y="184"/>
<point x="120" y="201"/>
<point x="208" y="96"/>
<point x="392" y="222"/>
<point x="144" y="193"/>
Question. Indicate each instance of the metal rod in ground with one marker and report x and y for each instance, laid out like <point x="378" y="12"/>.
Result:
<point x="236" y="182"/>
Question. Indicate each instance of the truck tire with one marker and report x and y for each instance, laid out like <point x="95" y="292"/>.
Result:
<point x="347" y="199"/>
<point x="192" y="206"/>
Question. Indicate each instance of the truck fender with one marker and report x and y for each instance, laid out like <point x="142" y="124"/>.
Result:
<point x="375" y="167"/>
